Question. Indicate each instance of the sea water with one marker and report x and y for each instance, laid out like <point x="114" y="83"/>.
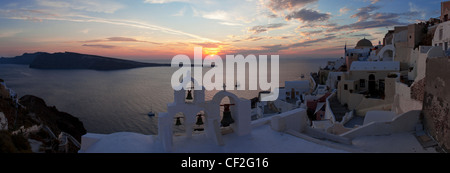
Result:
<point x="115" y="101"/>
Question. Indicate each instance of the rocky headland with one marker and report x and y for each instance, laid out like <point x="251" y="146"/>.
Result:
<point x="29" y="125"/>
<point x="71" y="60"/>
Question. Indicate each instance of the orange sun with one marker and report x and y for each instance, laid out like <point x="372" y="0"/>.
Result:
<point x="211" y="51"/>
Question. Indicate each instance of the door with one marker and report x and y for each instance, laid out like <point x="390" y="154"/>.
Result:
<point x="372" y="84"/>
<point x="381" y="85"/>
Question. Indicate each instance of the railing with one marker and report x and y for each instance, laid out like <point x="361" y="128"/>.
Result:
<point x="63" y="136"/>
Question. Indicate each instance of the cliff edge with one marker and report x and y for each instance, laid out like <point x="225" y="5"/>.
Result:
<point x="29" y="125"/>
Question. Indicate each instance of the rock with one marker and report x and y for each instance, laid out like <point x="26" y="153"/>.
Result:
<point x="57" y="121"/>
<point x="24" y="59"/>
<point x="418" y="89"/>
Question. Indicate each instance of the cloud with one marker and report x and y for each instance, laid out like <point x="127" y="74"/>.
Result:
<point x="209" y="44"/>
<point x="385" y="16"/>
<point x="257" y="38"/>
<point x="367" y="25"/>
<point x="317" y="25"/>
<point x="374" y="1"/>
<point x="364" y="12"/>
<point x="27" y="14"/>
<point x="117" y="39"/>
<point x="217" y="15"/>
<point x="224" y="17"/>
<point x="414" y="10"/>
<point x="309" y="33"/>
<point x="343" y="10"/>
<point x="309" y="42"/>
<point x="362" y="35"/>
<point x="5" y="34"/>
<point x="263" y="28"/>
<point x="99" y="46"/>
<point x="99" y="6"/>
<point x="280" y="47"/>
<point x="23" y="14"/>
<point x="231" y="24"/>
<point x="307" y="15"/>
<point x="368" y="18"/>
<point x="272" y="15"/>
<point x="279" y="5"/>
<point x="123" y="39"/>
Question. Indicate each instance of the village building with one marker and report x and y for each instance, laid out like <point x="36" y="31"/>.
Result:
<point x="368" y="84"/>
<point x="361" y="52"/>
<point x="442" y="36"/>
<point x="445" y="11"/>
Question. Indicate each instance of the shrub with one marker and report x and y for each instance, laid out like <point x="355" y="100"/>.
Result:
<point x="13" y="143"/>
<point x="6" y="144"/>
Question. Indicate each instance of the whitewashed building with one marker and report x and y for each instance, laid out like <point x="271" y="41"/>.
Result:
<point x="442" y="36"/>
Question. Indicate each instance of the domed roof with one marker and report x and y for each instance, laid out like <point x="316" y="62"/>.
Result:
<point x="363" y="44"/>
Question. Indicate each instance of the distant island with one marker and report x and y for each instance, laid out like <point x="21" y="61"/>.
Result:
<point x="71" y="60"/>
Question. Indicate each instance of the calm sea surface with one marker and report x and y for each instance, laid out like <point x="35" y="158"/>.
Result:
<point x="113" y="101"/>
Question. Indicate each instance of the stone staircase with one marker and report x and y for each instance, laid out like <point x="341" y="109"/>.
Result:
<point x="338" y="109"/>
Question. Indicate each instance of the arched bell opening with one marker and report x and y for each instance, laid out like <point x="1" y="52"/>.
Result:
<point x="227" y="111"/>
<point x="180" y="124"/>
<point x="200" y="121"/>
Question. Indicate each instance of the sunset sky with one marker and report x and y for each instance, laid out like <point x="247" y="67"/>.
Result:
<point x="156" y="29"/>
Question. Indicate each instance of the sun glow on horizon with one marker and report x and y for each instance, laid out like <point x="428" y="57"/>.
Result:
<point x="211" y="51"/>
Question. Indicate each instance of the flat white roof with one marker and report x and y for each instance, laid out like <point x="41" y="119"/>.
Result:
<point x="262" y="140"/>
<point x="375" y="66"/>
<point x="304" y="84"/>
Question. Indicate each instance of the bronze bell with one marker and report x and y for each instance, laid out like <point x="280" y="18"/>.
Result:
<point x="227" y="119"/>
<point x="178" y="121"/>
<point x="189" y="95"/>
<point x="199" y="119"/>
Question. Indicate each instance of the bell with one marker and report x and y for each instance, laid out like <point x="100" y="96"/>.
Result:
<point x="199" y="119"/>
<point x="178" y="121"/>
<point x="189" y="96"/>
<point x="226" y="119"/>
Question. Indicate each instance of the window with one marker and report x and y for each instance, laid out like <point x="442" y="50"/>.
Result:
<point x="356" y="86"/>
<point x="362" y="83"/>
<point x="296" y="93"/>
<point x="339" y="78"/>
<point x="345" y="87"/>
<point x="441" y="31"/>
<point x="445" y="46"/>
